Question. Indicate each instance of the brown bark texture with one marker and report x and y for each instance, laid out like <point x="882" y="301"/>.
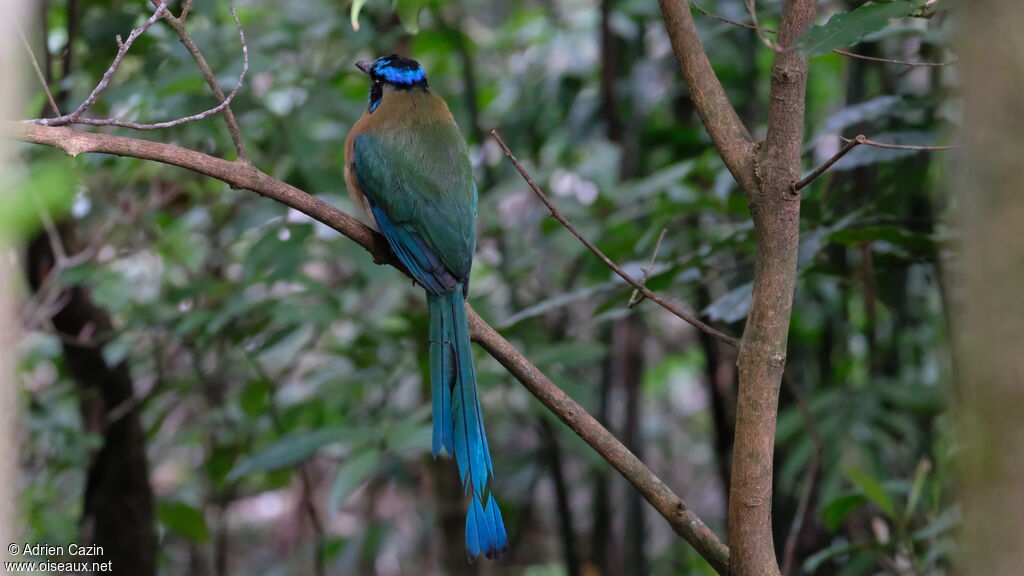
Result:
<point x="775" y="210"/>
<point x="10" y="100"/>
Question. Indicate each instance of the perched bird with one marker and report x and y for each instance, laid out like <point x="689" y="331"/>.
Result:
<point x="406" y="162"/>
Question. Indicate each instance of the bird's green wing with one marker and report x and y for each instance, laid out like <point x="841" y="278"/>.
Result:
<point x="420" y="187"/>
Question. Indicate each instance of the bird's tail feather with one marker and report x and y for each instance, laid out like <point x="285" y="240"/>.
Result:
<point x="458" y="421"/>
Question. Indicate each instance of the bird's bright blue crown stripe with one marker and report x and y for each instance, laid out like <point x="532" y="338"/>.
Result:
<point x="399" y="75"/>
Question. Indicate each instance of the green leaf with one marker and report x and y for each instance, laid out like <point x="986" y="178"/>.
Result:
<point x="912" y="241"/>
<point x="847" y="28"/>
<point x="561" y="301"/>
<point x="731" y="306"/>
<point x="409" y="14"/>
<point x="838" y="509"/>
<point x="572" y="353"/>
<point x="351" y="474"/>
<point x="254" y="398"/>
<point x="920" y="474"/>
<point x="357" y="6"/>
<point x="184" y="520"/>
<point x="867" y="111"/>
<point x="837" y="549"/>
<point x="947" y="520"/>
<point x="873" y="489"/>
<point x="411" y="433"/>
<point x="288" y="451"/>
<point x="47" y="186"/>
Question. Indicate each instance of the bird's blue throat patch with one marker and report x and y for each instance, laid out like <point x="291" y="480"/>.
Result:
<point x="399" y="73"/>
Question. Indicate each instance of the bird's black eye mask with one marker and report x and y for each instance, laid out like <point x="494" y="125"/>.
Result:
<point x="376" y="93"/>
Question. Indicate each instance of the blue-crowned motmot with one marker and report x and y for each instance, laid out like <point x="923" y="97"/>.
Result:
<point x="407" y="164"/>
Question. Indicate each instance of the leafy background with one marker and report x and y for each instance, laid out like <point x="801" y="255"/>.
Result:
<point x="276" y="365"/>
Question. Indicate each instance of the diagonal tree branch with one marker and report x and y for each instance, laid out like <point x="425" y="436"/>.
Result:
<point x="723" y="124"/>
<point x="241" y="175"/>
<point x="636" y="284"/>
<point x="39" y="73"/>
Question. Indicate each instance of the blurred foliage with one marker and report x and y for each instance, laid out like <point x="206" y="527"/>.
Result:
<point x="262" y="344"/>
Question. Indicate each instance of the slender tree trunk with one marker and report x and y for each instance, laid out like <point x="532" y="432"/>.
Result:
<point x="452" y="519"/>
<point x="626" y="351"/>
<point x="10" y="60"/>
<point x="565" y="524"/>
<point x="601" y="534"/>
<point x="9" y="474"/>
<point x="762" y="359"/>
<point x="991" y="320"/>
<point x="118" y="513"/>
<point x="628" y="368"/>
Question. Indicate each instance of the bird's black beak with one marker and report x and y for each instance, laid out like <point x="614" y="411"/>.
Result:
<point x="364" y="65"/>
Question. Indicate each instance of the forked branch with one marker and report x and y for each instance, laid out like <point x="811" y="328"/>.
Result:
<point x="77" y="116"/>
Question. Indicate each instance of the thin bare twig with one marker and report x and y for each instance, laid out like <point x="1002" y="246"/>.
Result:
<point x="178" y="24"/>
<point x="850" y="144"/>
<point x="39" y="73"/>
<point x="48" y="299"/>
<point x="862" y="140"/>
<point x="756" y="26"/>
<point x="52" y="234"/>
<point x="636" y="298"/>
<point x="640" y="287"/>
<point x="806" y="180"/>
<point x="123" y="49"/>
<point x="891" y="60"/>
<point x="761" y="31"/>
<point x="725" y="20"/>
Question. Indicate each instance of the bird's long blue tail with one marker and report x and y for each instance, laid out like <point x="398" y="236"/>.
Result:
<point x="458" y="422"/>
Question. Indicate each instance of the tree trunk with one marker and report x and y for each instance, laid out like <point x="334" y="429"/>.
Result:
<point x="10" y="59"/>
<point x="762" y="359"/>
<point x="118" y="510"/>
<point x="990" y="324"/>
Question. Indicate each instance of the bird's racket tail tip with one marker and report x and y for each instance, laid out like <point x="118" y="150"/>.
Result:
<point x="485" y="530"/>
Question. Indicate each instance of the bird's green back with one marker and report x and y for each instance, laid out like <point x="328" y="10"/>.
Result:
<point x="416" y="168"/>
